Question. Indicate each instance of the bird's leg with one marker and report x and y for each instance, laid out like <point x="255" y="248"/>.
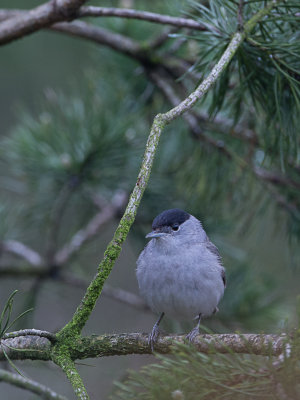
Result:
<point x="195" y="331"/>
<point x="155" y="332"/>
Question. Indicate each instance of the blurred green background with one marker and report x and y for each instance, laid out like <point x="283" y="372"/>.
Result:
<point x="64" y="101"/>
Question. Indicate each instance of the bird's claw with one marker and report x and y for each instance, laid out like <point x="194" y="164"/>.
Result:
<point x="153" y="336"/>
<point x="192" y="335"/>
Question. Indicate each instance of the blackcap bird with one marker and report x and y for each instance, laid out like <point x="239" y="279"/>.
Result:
<point x="179" y="272"/>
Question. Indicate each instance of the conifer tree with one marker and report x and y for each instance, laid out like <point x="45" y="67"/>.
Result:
<point x="209" y="92"/>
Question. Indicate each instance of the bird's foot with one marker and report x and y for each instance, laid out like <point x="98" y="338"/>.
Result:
<point x="192" y="335"/>
<point x="153" y="336"/>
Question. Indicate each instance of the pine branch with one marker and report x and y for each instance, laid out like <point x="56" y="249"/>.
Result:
<point x="40" y="348"/>
<point x="38" y="18"/>
<point x="23" y="271"/>
<point x="68" y="366"/>
<point x="30" y="385"/>
<point x="90" y="11"/>
<point x="23" y="251"/>
<point x="190" y="117"/>
<point x="30" y="332"/>
<point x="92" y="228"/>
<point x="101" y="36"/>
<point x="124" y="296"/>
<point x="114" y="293"/>
<point x="194" y="123"/>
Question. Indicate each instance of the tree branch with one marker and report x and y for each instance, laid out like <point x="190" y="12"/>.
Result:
<point x="275" y="178"/>
<point x="189" y="117"/>
<point x="118" y="294"/>
<point x="91" y="11"/>
<point x="240" y="14"/>
<point x="28" y="384"/>
<point x="30" y="332"/>
<point x="137" y="343"/>
<point x="68" y="366"/>
<point x="99" y="35"/>
<point x="92" y="228"/>
<point x="26" y="271"/>
<point x="23" y="251"/>
<point x="36" y="348"/>
<point x="38" y="18"/>
<point x="29" y="347"/>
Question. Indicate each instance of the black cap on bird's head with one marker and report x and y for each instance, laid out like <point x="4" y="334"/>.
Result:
<point x="167" y="221"/>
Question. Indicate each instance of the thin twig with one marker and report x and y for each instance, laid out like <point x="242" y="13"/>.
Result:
<point x="159" y="40"/>
<point x="190" y="116"/>
<point x="23" y="251"/>
<point x="30" y="385"/>
<point x="283" y="202"/>
<point x="92" y="228"/>
<point x="68" y="366"/>
<point x="276" y="178"/>
<point x="24" y="271"/>
<point x="100" y="35"/>
<point x="240" y="15"/>
<point x="56" y="215"/>
<point x="118" y="294"/>
<point x="124" y="296"/>
<point x="90" y="11"/>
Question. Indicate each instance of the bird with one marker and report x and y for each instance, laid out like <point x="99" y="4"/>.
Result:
<point x="179" y="272"/>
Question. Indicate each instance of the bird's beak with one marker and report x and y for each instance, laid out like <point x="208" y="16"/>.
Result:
<point x="154" y="234"/>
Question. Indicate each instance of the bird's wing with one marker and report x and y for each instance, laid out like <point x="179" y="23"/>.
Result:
<point x="223" y="276"/>
<point x="215" y="251"/>
<point x="211" y="247"/>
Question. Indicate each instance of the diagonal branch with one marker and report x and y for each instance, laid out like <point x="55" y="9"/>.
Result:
<point x="23" y="251"/>
<point x="190" y="117"/>
<point x="30" y="385"/>
<point x="100" y="35"/>
<point x="114" y="293"/>
<point x="68" y="366"/>
<point x="92" y="228"/>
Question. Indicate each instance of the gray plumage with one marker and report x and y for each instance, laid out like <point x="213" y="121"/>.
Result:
<point x="179" y="272"/>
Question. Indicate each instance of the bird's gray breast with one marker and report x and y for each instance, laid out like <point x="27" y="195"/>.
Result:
<point x="182" y="281"/>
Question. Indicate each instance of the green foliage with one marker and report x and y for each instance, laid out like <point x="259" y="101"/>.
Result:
<point x="264" y="75"/>
<point x="74" y="148"/>
<point x="5" y="317"/>
<point x="190" y="375"/>
<point x="6" y="324"/>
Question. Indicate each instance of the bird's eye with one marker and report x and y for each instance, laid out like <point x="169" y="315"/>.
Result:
<point x="175" y="227"/>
